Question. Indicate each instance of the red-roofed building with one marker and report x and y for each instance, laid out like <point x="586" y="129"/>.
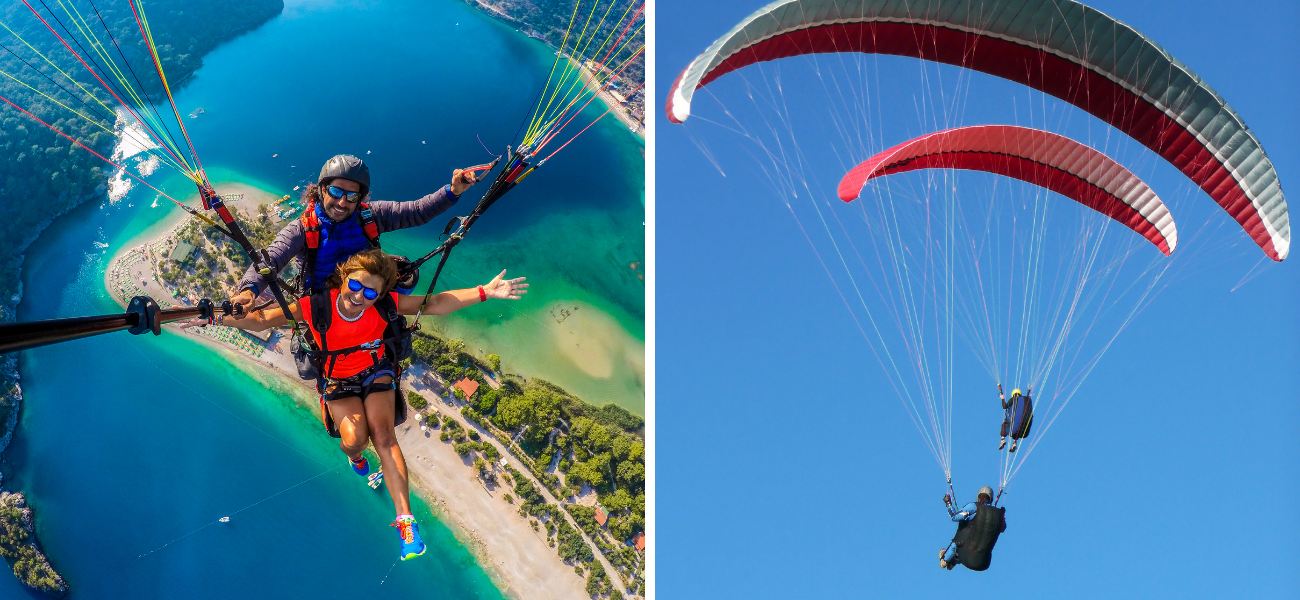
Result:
<point x="467" y="386"/>
<point x="601" y="517"/>
<point x="639" y="542"/>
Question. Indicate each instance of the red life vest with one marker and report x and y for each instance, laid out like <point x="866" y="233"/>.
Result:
<point x="344" y="334"/>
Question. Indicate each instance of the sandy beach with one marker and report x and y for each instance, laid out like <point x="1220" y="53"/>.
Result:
<point x="618" y="109"/>
<point x="520" y="560"/>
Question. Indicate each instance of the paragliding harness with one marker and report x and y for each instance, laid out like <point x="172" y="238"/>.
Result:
<point x="396" y="344"/>
<point x="302" y="346"/>
<point x="398" y="338"/>
<point x="976" y="537"/>
<point x="1020" y="417"/>
<point x="408" y="276"/>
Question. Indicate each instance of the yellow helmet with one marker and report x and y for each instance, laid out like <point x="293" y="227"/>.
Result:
<point x="1015" y="392"/>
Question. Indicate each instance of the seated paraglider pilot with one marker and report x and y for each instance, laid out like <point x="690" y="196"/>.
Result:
<point x="1018" y="417"/>
<point x="978" y="526"/>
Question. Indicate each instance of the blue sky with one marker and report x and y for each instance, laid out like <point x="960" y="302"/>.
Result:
<point x="786" y="466"/>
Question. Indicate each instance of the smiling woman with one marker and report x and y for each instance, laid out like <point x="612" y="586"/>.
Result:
<point x="358" y="359"/>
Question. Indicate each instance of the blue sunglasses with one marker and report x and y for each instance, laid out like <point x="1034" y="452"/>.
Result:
<point x="356" y="286"/>
<point x="339" y="193"/>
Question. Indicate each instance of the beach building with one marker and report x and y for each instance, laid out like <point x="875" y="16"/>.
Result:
<point x="263" y="336"/>
<point x="639" y="541"/>
<point x="181" y="252"/>
<point x="467" y="386"/>
<point x="618" y="97"/>
<point x="598" y="69"/>
<point x="601" y="517"/>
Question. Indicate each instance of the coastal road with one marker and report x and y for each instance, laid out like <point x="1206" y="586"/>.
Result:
<point x="523" y="469"/>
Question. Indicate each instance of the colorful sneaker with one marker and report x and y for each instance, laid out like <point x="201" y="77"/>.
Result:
<point x="412" y="545"/>
<point x="359" y="465"/>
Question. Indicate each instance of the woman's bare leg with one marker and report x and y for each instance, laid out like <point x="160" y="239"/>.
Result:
<point x="379" y="416"/>
<point x="350" y="418"/>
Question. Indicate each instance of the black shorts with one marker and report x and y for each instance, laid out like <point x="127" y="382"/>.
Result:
<point x="362" y="384"/>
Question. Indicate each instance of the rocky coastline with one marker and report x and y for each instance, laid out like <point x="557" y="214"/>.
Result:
<point x="19" y="547"/>
<point x="10" y="403"/>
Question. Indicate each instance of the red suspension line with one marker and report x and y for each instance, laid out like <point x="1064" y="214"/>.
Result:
<point x="88" y="149"/>
<point x="105" y="85"/>
<point x="593" y="97"/>
<point x="620" y="36"/>
<point x="593" y="122"/>
<point x="153" y="54"/>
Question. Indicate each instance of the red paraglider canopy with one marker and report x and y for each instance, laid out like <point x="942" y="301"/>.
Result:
<point x="1060" y="47"/>
<point x="1038" y="157"/>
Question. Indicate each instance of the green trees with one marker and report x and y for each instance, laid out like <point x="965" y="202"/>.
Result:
<point x="28" y="564"/>
<point x="599" y="446"/>
<point x="486" y="401"/>
<point x="43" y="174"/>
<point x="572" y="547"/>
<point x="537" y="408"/>
<point x="416" y="401"/>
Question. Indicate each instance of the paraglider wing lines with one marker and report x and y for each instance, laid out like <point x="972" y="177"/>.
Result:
<point x="1176" y="115"/>
<point x="1066" y="183"/>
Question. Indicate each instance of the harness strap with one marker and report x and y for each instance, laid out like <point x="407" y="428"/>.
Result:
<point x="368" y="225"/>
<point x="322" y="312"/>
<point x="311" y="227"/>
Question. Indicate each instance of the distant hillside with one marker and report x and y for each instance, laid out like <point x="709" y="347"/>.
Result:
<point x="547" y="20"/>
<point x="43" y="174"/>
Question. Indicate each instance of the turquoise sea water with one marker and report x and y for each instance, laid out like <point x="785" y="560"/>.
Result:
<point x="132" y="446"/>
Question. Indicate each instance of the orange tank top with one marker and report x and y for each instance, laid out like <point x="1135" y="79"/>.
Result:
<point x="344" y="334"/>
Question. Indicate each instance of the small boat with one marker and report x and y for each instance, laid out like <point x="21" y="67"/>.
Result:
<point x="224" y="519"/>
<point x="276" y="155"/>
<point x="367" y="152"/>
<point x="375" y="479"/>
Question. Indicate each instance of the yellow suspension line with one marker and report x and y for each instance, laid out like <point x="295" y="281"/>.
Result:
<point x="558" y="55"/>
<point x="56" y="68"/>
<point x="88" y="33"/>
<point x="195" y="174"/>
<point x="561" y="54"/>
<point x="597" y="79"/>
<point x="568" y="68"/>
<point x="550" y="118"/>
<point x="94" y="122"/>
<point x="587" y="92"/>
<point x="552" y="131"/>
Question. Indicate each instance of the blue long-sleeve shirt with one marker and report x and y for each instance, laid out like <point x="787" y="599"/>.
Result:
<point x="291" y="243"/>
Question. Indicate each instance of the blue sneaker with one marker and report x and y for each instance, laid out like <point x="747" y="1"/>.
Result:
<point x="412" y="545"/>
<point x="359" y="465"/>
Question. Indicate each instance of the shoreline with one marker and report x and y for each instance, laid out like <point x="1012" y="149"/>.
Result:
<point x="517" y="559"/>
<point x="617" y="109"/>
<point x="606" y="97"/>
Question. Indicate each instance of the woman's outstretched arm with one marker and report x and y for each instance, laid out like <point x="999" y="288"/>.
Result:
<point x="266" y="318"/>
<point x="454" y="300"/>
